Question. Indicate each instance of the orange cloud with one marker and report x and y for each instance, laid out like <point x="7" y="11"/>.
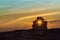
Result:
<point x="27" y="17"/>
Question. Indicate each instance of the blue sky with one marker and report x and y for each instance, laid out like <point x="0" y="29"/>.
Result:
<point x="9" y="4"/>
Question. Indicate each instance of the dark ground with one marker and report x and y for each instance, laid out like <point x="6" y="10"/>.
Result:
<point x="52" y="34"/>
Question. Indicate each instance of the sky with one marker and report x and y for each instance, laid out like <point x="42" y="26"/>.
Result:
<point x="16" y="12"/>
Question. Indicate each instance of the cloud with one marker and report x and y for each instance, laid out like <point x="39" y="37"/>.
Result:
<point x="27" y="17"/>
<point x="54" y="24"/>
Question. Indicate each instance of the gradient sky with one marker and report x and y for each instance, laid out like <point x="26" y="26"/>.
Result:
<point x="25" y="11"/>
<point x="25" y="5"/>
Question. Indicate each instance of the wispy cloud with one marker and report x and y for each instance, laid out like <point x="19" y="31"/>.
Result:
<point x="27" y="17"/>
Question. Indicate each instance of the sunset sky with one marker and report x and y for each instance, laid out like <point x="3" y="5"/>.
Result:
<point x="16" y="14"/>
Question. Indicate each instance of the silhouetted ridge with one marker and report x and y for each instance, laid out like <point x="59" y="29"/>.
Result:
<point x="51" y="34"/>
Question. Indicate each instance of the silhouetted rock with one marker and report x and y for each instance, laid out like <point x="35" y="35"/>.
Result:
<point x="39" y="24"/>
